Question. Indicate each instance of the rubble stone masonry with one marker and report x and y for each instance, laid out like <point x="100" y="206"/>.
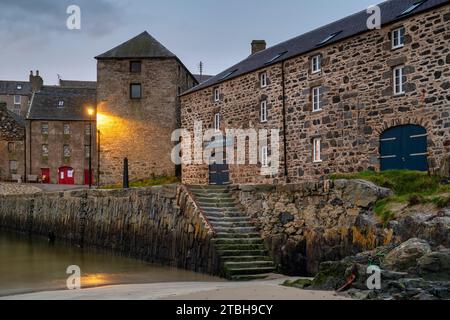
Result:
<point x="357" y="102"/>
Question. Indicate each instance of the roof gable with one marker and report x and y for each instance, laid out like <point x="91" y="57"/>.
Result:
<point x="141" y="46"/>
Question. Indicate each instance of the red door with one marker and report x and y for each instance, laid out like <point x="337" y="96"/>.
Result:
<point x="45" y="175"/>
<point x="66" y="175"/>
<point x="86" y="176"/>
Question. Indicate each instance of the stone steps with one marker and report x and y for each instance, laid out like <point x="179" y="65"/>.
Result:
<point x="242" y="253"/>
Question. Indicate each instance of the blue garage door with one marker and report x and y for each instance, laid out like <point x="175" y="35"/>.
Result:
<point x="404" y="147"/>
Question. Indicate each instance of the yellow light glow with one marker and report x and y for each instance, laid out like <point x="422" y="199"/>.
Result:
<point x="90" y="111"/>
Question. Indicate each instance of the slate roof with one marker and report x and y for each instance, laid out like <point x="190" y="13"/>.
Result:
<point x="202" y="78"/>
<point x="141" y="46"/>
<point x="347" y="27"/>
<point x="77" y="84"/>
<point x="11" y="88"/>
<point x="45" y="104"/>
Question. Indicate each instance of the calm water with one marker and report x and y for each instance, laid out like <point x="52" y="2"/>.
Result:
<point x="31" y="264"/>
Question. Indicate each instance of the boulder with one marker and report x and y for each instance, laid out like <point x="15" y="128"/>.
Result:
<point x="405" y="256"/>
<point x="361" y="193"/>
<point x="435" y="265"/>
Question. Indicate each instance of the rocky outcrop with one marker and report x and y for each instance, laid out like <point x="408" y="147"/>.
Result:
<point x="412" y="270"/>
<point x="159" y="224"/>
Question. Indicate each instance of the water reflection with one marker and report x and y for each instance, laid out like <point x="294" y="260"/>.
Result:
<point x="32" y="264"/>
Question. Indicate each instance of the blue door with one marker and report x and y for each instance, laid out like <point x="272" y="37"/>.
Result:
<point x="404" y="148"/>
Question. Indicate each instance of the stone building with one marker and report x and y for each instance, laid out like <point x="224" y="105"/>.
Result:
<point x="345" y="98"/>
<point x="138" y="84"/>
<point x="61" y="135"/>
<point x="12" y="148"/>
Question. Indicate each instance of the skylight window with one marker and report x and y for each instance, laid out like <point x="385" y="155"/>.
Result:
<point x="329" y="38"/>
<point x="412" y="7"/>
<point x="228" y="74"/>
<point x="276" y="57"/>
<point x="60" y="104"/>
<point x="19" y="87"/>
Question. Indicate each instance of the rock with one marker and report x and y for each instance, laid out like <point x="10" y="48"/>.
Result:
<point x="286" y="217"/>
<point x="435" y="265"/>
<point x="361" y="193"/>
<point x="406" y="255"/>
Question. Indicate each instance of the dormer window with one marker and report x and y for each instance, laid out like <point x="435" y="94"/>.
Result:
<point x="328" y="38"/>
<point x="19" y="87"/>
<point x="216" y="94"/>
<point x="60" y="104"/>
<point x="413" y="7"/>
<point x="316" y="64"/>
<point x="398" y="38"/>
<point x="263" y="79"/>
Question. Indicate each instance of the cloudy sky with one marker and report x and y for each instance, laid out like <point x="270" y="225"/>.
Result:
<point x="33" y="33"/>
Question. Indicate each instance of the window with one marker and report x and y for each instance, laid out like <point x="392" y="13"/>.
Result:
<point x="316" y="99"/>
<point x="263" y="79"/>
<point x="413" y="7"/>
<point x="399" y="80"/>
<point x="276" y="57"/>
<point x="16" y="109"/>
<point x="317" y="149"/>
<point x="329" y="38"/>
<point x="135" y="91"/>
<point x="216" y="95"/>
<point x="398" y="38"/>
<point x="11" y="147"/>
<point x="13" y="166"/>
<point x="316" y="64"/>
<point x="87" y="151"/>
<point x="66" y="128"/>
<point x="228" y="74"/>
<point x="264" y="156"/>
<point x="135" y="66"/>
<point x="17" y="99"/>
<point x="19" y="87"/>
<point x="45" y="150"/>
<point x="44" y="128"/>
<point x="60" y="104"/>
<point x="87" y="129"/>
<point x="217" y="122"/>
<point x="264" y="111"/>
<point x="67" y="151"/>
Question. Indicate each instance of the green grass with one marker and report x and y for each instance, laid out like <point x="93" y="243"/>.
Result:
<point x="410" y="187"/>
<point x="151" y="182"/>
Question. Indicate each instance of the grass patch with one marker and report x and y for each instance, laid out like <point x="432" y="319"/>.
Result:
<point x="151" y="182"/>
<point x="410" y="187"/>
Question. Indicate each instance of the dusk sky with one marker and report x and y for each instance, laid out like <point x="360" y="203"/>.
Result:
<point x="33" y="33"/>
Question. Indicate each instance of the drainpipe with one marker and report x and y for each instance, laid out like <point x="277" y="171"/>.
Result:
<point x="29" y="144"/>
<point x="98" y="158"/>
<point x="25" y="178"/>
<point x="283" y="84"/>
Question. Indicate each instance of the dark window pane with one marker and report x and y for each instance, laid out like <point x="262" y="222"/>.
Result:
<point x="135" y="66"/>
<point x="136" y="91"/>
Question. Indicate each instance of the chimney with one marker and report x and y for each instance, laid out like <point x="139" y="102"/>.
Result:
<point x="36" y="81"/>
<point x="258" y="45"/>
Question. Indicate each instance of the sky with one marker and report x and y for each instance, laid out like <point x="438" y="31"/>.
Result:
<point x="34" y="35"/>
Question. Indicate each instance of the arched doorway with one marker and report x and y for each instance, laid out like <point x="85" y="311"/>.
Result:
<point x="404" y="147"/>
<point x="66" y="175"/>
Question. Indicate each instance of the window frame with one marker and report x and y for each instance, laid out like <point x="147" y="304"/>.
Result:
<point x="265" y="156"/>
<point x="44" y="150"/>
<point x="317" y="150"/>
<point x="396" y="34"/>
<point x="133" y="62"/>
<point x="217" y="120"/>
<point x="19" y="102"/>
<point x="11" y="147"/>
<point x="87" y="151"/>
<point x="263" y="112"/>
<point x="47" y="126"/>
<point x="16" y="166"/>
<point x="69" y="149"/>
<point x="315" y="97"/>
<point x="135" y="84"/>
<point x="87" y="129"/>
<point x="66" y="126"/>
<point x="263" y="80"/>
<point x="216" y="94"/>
<point x="316" y="61"/>
<point x="401" y="84"/>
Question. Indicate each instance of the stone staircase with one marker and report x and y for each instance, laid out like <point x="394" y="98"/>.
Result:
<point x="243" y="255"/>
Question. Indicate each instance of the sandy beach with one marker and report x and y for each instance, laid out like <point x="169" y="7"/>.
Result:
<point x="255" y="290"/>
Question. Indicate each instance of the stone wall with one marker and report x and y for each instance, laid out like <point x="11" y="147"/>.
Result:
<point x="160" y="224"/>
<point x="311" y="222"/>
<point x="139" y="129"/>
<point x="357" y="101"/>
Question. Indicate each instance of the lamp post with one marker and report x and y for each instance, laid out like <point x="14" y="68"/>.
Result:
<point x="91" y="113"/>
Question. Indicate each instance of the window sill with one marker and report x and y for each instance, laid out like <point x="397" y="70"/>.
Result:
<point x="399" y="95"/>
<point x="397" y="48"/>
<point x="316" y="72"/>
<point x="318" y="161"/>
<point x="317" y="111"/>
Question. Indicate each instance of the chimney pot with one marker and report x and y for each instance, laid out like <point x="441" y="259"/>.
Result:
<point x="258" y="45"/>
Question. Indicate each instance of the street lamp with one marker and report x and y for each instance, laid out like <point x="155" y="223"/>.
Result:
<point x="91" y="113"/>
